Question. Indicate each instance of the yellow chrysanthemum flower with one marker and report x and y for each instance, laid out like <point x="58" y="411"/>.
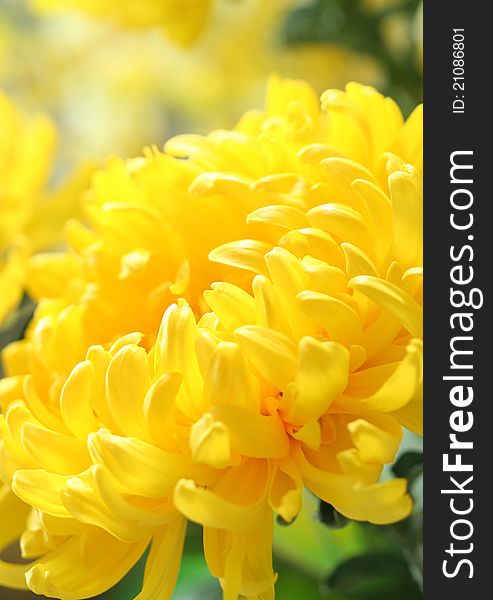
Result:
<point x="147" y="244"/>
<point x="26" y="152"/>
<point x="31" y="218"/>
<point x="182" y="20"/>
<point x="221" y="425"/>
<point x="302" y="374"/>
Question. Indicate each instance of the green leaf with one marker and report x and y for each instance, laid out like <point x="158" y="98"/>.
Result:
<point x="329" y="516"/>
<point x="407" y="462"/>
<point x="410" y="466"/>
<point x="374" y="576"/>
<point x="293" y="584"/>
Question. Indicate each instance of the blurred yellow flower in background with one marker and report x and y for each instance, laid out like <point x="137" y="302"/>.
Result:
<point x="182" y="20"/>
<point x="296" y="368"/>
<point x="116" y="91"/>
<point x="26" y="155"/>
<point x="31" y="216"/>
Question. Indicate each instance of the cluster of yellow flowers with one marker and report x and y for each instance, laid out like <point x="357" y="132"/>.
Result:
<point x="238" y="317"/>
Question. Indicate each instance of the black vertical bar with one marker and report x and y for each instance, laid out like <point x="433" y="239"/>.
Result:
<point x="457" y="555"/>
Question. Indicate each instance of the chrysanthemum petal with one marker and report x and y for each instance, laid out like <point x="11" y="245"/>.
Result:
<point x="244" y="254"/>
<point x="378" y="503"/>
<point x="407" y="216"/>
<point x="83" y="566"/>
<point x="127" y="382"/>
<point x="163" y="562"/>
<point x="83" y="503"/>
<point x="342" y="221"/>
<point x="253" y="435"/>
<point x="55" y="451"/>
<point x="228" y="379"/>
<point x="285" y="491"/>
<point x="210" y="443"/>
<point x="411" y="414"/>
<point x="175" y="352"/>
<point x="159" y="407"/>
<point x="341" y="321"/>
<point x="286" y="217"/>
<point x="357" y="262"/>
<point x="12" y="575"/>
<point x="273" y="354"/>
<point x="267" y="303"/>
<point x="238" y="496"/>
<point x="313" y="242"/>
<point x="41" y="490"/>
<point x="76" y="401"/>
<point x="401" y="385"/>
<point x="210" y="510"/>
<point x="321" y="377"/>
<point x="392" y="299"/>
<point x="378" y="441"/>
<point x="141" y="468"/>
<point x="232" y="305"/>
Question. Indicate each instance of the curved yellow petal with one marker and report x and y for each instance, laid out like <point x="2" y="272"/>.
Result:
<point x="267" y="305"/>
<point x="159" y="408"/>
<point x="378" y="503"/>
<point x="272" y="354"/>
<point x="45" y="415"/>
<point x="286" y="272"/>
<point x="84" y="566"/>
<point x="76" y="400"/>
<point x="141" y="468"/>
<point x="232" y="305"/>
<point x="252" y="434"/>
<point x="55" y="452"/>
<point x="210" y="443"/>
<point x="324" y="278"/>
<point x="321" y="377"/>
<point x="342" y="221"/>
<point x="407" y="217"/>
<point x="13" y="515"/>
<point x="401" y="385"/>
<point x="286" y="217"/>
<point x="393" y="299"/>
<point x="377" y="441"/>
<point x="243" y="254"/>
<point x="228" y="379"/>
<point x="41" y="490"/>
<point x="175" y="352"/>
<point x="242" y="561"/>
<point x="357" y="262"/>
<point x="379" y="209"/>
<point x="163" y="562"/>
<point x="92" y="500"/>
<point x="411" y="414"/>
<point x="127" y="381"/>
<point x="210" y="510"/>
<point x="342" y="322"/>
<point x="285" y="490"/>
